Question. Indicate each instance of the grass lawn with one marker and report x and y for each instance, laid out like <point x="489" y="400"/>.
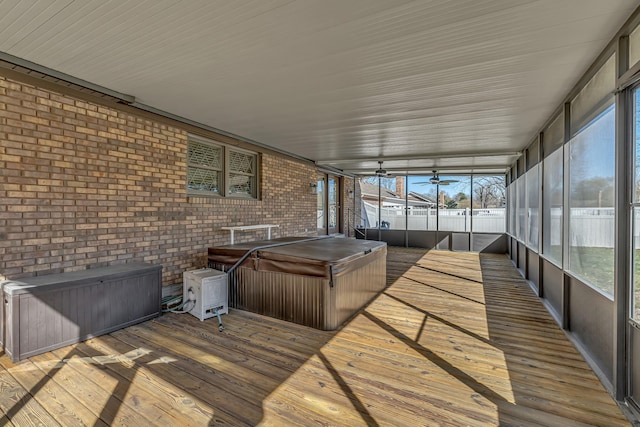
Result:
<point x="596" y="266"/>
<point x="555" y="253"/>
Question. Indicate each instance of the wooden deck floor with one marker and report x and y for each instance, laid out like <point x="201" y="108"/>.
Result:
<point x="457" y="339"/>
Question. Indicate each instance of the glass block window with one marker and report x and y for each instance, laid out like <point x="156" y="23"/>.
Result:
<point x="204" y="171"/>
<point x="216" y="169"/>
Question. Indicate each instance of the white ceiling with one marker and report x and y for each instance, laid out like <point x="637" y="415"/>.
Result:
<point x="420" y="84"/>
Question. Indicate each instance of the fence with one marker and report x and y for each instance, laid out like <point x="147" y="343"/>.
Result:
<point x="484" y="220"/>
<point x="589" y="227"/>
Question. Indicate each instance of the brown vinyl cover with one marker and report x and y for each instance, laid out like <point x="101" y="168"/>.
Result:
<point x="319" y="258"/>
<point x="327" y="258"/>
<point x="230" y="254"/>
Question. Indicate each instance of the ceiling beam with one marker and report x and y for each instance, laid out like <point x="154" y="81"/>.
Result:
<point x="429" y="170"/>
<point x="454" y="155"/>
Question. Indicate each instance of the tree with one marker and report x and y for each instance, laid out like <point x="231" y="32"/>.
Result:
<point x="488" y="192"/>
<point x="593" y="193"/>
<point x="459" y="201"/>
<point x="463" y="201"/>
<point x="428" y="193"/>
<point x="385" y="182"/>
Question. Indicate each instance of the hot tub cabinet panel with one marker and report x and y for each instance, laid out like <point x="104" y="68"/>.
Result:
<point x="320" y="283"/>
<point x="48" y="312"/>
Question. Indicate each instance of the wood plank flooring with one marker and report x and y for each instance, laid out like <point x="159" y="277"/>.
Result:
<point x="456" y="339"/>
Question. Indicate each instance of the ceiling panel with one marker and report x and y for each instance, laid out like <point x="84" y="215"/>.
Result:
<point x="330" y="80"/>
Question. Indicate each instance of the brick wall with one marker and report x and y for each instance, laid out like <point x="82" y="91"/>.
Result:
<point x="85" y="185"/>
<point x="348" y="213"/>
<point x="400" y="186"/>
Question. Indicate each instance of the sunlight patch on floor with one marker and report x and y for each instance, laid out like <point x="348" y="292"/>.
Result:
<point x="405" y="319"/>
<point x="315" y="384"/>
<point x="146" y="380"/>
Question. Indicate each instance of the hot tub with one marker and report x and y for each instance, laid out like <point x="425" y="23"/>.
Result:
<point x="318" y="283"/>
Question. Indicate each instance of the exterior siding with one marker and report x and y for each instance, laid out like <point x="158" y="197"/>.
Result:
<point x="84" y="185"/>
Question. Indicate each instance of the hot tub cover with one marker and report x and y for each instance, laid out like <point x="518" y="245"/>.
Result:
<point x="327" y="257"/>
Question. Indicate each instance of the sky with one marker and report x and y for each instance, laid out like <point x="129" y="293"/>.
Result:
<point x="462" y="186"/>
<point x="593" y="149"/>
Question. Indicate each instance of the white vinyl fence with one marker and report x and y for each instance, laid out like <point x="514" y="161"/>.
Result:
<point x="592" y="227"/>
<point x="589" y="227"/>
<point x="484" y="220"/>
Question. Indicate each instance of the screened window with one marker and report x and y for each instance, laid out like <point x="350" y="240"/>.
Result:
<point x="533" y="185"/>
<point x="511" y="199"/>
<point x="215" y="169"/>
<point x="423" y="203"/>
<point x="522" y="212"/>
<point x="488" y="195"/>
<point x="635" y="268"/>
<point x="371" y="189"/>
<point x="552" y="207"/>
<point x="392" y="213"/>
<point x="635" y="210"/>
<point x="591" y="202"/>
<point x="454" y="203"/>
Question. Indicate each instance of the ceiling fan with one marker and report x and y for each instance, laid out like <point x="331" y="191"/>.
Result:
<point x="435" y="179"/>
<point x="382" y="173"/>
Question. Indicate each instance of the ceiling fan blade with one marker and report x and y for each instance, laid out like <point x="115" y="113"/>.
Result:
<point x="448" y="181"/>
